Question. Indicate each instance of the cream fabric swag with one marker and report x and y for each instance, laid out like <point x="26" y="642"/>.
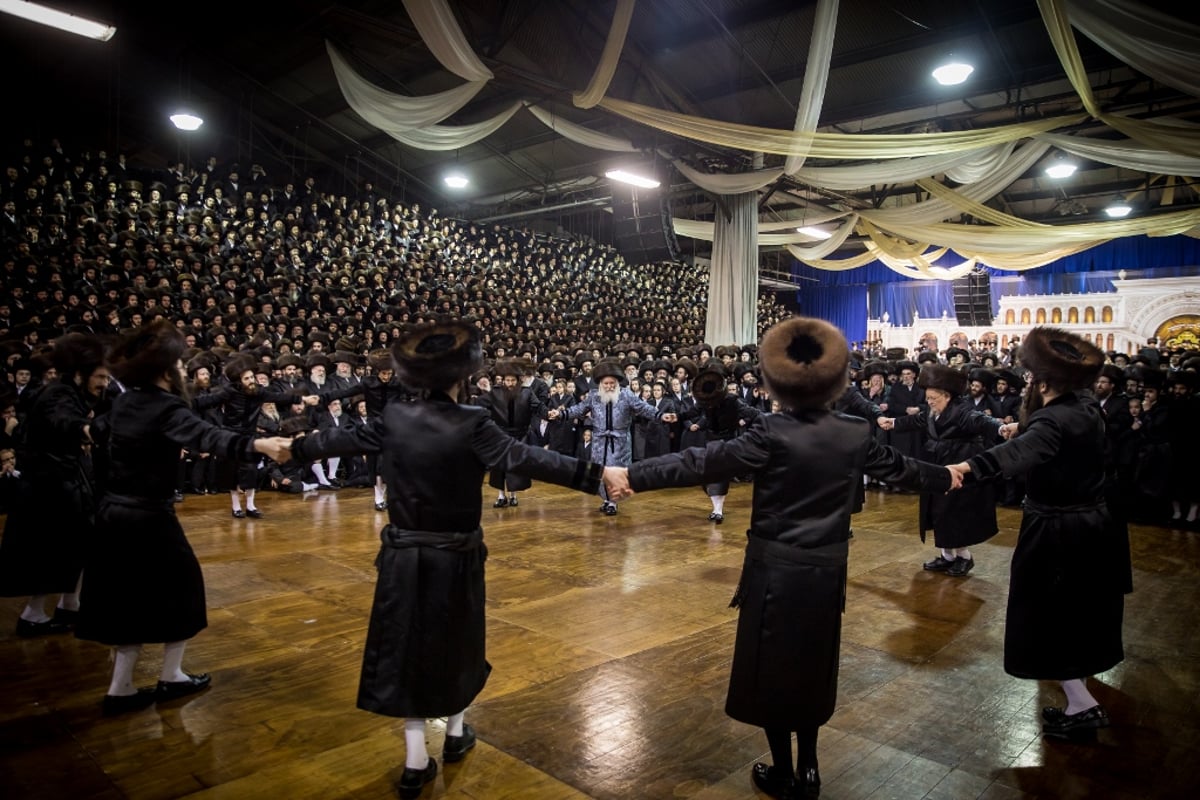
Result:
<point x="609" y="57"/>
<point x="442" y="35"/>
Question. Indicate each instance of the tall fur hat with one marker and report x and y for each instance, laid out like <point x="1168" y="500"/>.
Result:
<point x="804" y="362"/>
<point x="940" y="376"/>
<point x="293" y="425"/>
<point x="876" y="368"/>
<point x="145" y="355"/>
<point x="317" y="360"/>
<point x="689" y="367"/>
<point x="927" y="357"/>
<point x="290" y="360"/>
<point x="1113" y="373"/>
<point x="437" y="355"/>
<point x="379" y="360"/>
<point x="1061" y="359"/>
<point x="1016" y="382"/>
<point x="985" y="376"/>
<point x="951" y="352"/>
<point x="911" y="366"/>
<point x="607" y="369"/>
<point x="239" y="363"/>
<point x="508" y="366"/>
<point x="708" y="387"/>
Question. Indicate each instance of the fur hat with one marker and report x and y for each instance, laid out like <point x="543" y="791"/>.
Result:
<point x="1015" y="381"/>
<point x="508" y="366"/>
<point x="1061" y="359"/>
<point x="379" y="360"/>
<point x="951" y="352"/>
<point x="804" y="362"/>
<point x="689" y="367"/>
<point x="876" y="368"/>
<point x="709" y="385"/>
<point x="437" y="355"/>
<point x="928" y="357"/>
<point x="239" y="363"/>
<point x="727" y="350"/>
<point x="146" y="354"/>
<point x="316" y="360"/>
<point x="607" y="369"/>
<point x="911" y="366"/>
<point x="293" y="425"/>
<point x="940" y="376"/>
<point x="344" y="357"/>
<point x="1113" y="373"/>
<point x="289" y="360"/>
<point x="1152" y="378"/>
<point x="985" y="376"/>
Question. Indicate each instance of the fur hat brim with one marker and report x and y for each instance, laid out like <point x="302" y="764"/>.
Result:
<point x="607" y="369"/>
<point x="940" y="376"/>
<point x="1060" y="358"/>
<point x="438" y="355"/>
<point x="804" y="362"/>
<point x="708" y="387"/>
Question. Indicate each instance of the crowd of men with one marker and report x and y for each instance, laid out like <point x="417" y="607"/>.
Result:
<point x="312" y="286"/>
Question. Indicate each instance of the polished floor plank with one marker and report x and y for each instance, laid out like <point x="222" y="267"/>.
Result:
<point x="610" y="639"/>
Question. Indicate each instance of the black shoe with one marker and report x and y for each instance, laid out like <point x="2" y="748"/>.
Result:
<point x="939" y="564"/>
<point x="239" y="514"/>
<point x="66" y="616"/>
<point x="456" y="747"/>
<point x="327" y="487"/>
<point x="500" y="502"/>
<point x="774" y="782"/>
<point x="610" y="509"/>
<point x="169" y="690"/>
<point x="177" y="497"/>
<point x="28" y="630"/>
<point x="512" y="501"/>
<point x="716" y="517"/>
<point x="254" y="512"/>
<point x="1060" y="725"/>
<point x="120" y="703"/>
<point x="808" y="782"/>
<point x="412" y="781"/>
<point x="961" y="567"/>
<point x="381" y="506"/>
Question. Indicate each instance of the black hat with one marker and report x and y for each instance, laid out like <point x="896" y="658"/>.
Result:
<point x="316" y="360"/>
<point x="940" y="376"/>
<point x="875" y="368"/>
<point x="343" y="357"/>
<point x="1015" y="381"/>
<point x="690" y="367"/>
<point x="1152" y="378"/>
<point x="803" y="362"/>
<point x="709" y="386"/>
<point x="437" y="355"/>
<point x="1113" y="373"/>
<point x="240" y="363"/>
<point x="293" y="425"/>
<point x="911" y="366"/>
<point x="951" y="352"/>
<point x="1062" y="359"/>
<point x="379" y="360"/>
<point x="607" y="369"/>
<point x="985" y="376"/>
<point x="928" y="357"/>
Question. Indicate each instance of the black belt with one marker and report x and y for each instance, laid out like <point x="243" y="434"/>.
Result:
<point x="461" y="541"/>
<point x="828" y="555"/>
<point x="141" y="503"/>
<point x="1075" y="508"/>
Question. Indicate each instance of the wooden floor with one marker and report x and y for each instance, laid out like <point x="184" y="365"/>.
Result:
<point x="610" y="640"/>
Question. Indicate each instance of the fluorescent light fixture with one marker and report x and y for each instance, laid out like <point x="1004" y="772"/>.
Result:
<point x="58" y="19"/>
<point x="816" y="233"/>
<point x="630" y="178"/>
<point x="1118" y="208"/>
<point x="456" y="180"/>
<point x="186" y="122"/>
<point x="1061" y="167"/>
<point x="952" y="73"/>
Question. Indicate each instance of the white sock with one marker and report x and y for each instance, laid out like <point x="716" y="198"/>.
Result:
<point x="718" y="502"/>
<point x="70" y="600"/>
<point x="237" y="501"/>
<point x="1193" y="511"/>
<point x="1178" y="512"/>
<point x="250" y="499"/>
<point x="948" y="554"/>
<point x="501" y="495"/>
<point x="379" y="489"/>
<point x="333" y="466"/>
<point x="172" y="668"/>
<point x="35" y="609"/>
<point x="964" y="552"/>
<point x="512" y="497"/>
<point x="124" y="660"/>
<point x="1078" y="697"/>
<point x="308" y="487"/>
<point x="319" y="470"/>
<point x="454" y="724"/>
<point x="416" y="755"/>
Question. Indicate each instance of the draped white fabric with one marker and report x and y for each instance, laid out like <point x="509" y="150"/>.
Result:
<point x="1124" y="153"/>
<point x="396" y="113"/>
<point x="705" y="231"/>
<point x="442" y="35"/>
<point x="1164" y="47"/>
<point x="453" y="137"/>
<point x="580" y="134"/>
<point x="733" y="277"/>
<point x="816" y="76"/>
<point x="937" y="209"/>
<point x="987" y="164"/>
<point x="902" y="170"/>
<point x="827" y="247"/>
<point x="735" y="183"/>
<point x="607" y="66"/>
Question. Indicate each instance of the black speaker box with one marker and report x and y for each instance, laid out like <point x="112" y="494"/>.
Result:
<point x="973" y="300"/>
<point x="642" y="229"/>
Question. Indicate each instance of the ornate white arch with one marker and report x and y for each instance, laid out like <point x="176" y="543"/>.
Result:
<point x="1150" y="303"/>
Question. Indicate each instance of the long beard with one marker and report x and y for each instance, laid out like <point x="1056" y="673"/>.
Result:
<point x="252" y="389"/>
<point x="1029" y="404"/>
<point x="608" y="398"/>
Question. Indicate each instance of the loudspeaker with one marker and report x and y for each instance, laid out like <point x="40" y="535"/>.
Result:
<point x="642" y="229"/>
<point x="973" y="300"/>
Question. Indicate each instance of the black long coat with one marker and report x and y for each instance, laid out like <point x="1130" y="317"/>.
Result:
<point x="1070" y="569"/>
<point x="900" y="399"/>
<point x="139" y="550"/>
<point x="806" y="465"/>
<point x="44" y="535"/>
<point x="425" y="654"/>
<point x="967" y="516"/>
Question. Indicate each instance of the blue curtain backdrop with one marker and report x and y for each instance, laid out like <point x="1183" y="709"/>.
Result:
<point x="849" y="298"/>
